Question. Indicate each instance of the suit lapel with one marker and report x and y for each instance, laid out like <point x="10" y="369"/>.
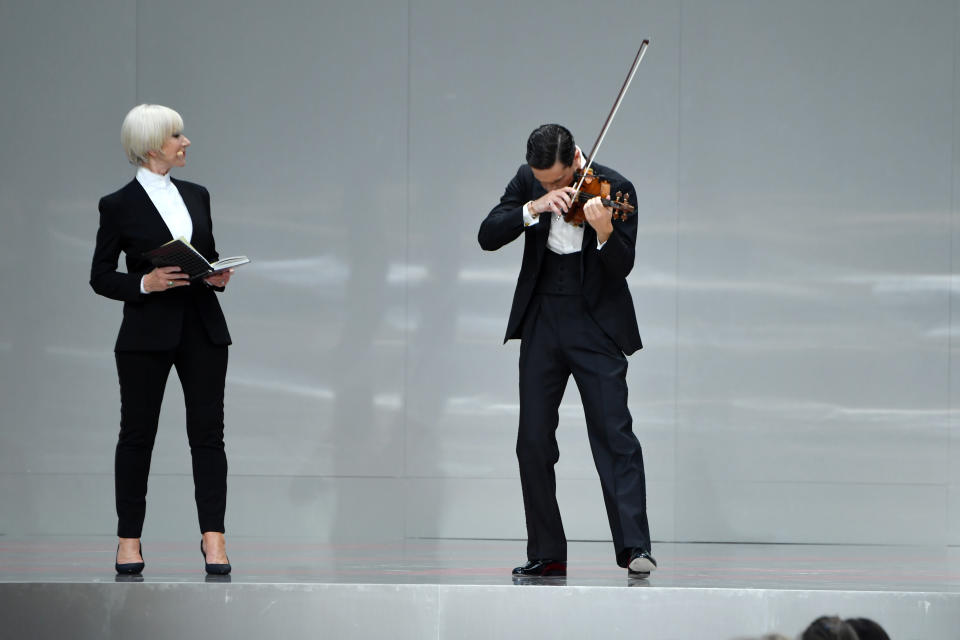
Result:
<point x="152" y="220"/>
<point x="198" y="215"/>
<point x="588" y="233"/>
<point x="193" y="204"/>
<point x="543" y="227"/>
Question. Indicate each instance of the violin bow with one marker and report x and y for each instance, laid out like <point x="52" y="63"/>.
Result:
<point x="616" y="105"/>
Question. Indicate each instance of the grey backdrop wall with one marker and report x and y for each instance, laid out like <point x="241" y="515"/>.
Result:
<point x="796" y="164"/>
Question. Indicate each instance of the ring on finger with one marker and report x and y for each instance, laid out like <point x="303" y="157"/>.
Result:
<point x="169" y="283"/>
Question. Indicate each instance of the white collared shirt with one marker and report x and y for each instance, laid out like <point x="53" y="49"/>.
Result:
<point x="563" y="238"/>
<point x="168" y="201"/>
<point x="166" y="198"/>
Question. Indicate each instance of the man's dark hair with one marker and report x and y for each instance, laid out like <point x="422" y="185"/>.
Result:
<point x="549" y="143"/>
<point x="829" y="628"/>
<point x="867" y="629"/>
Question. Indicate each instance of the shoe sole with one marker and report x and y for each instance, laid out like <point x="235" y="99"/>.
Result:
<point x="128" y="571"/>
<point x="642" y="565"/>
<point x="550" y="573"/>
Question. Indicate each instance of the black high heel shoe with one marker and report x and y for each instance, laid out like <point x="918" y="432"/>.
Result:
<point x="214" y="569"/>
<point x="129" y="568"/>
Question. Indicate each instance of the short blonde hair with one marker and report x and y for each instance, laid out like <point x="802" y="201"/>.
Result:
<point x="145" y="128"/>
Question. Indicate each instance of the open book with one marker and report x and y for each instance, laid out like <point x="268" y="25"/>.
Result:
<point x="179" y="253"/>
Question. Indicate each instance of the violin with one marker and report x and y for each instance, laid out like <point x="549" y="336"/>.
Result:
<point x="591" y="186"/>
<point x="588" y="184"/>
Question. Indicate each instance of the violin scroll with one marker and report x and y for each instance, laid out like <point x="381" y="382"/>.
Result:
<point x="621" y="214"/>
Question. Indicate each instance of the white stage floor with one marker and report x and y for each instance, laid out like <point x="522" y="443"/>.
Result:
<point x="56" y="587"/>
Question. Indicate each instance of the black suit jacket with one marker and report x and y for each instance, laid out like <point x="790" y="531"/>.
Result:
<point x="603" y="271"/>
<point x="130" y="223"/>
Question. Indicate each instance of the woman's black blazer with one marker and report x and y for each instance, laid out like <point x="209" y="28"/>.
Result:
<point x="129" y="222"/>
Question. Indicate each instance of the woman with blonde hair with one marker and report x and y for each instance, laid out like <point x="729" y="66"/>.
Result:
<point x="168" y="321"/>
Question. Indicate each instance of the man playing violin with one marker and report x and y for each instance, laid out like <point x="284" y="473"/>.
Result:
<point x="573" y="314"/>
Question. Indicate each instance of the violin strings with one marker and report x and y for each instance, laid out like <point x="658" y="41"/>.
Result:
<point x="584" y="197"/>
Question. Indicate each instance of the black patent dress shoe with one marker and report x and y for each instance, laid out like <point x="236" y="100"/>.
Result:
<point x="214" y="569"/>
<point x="542" y="568"/>
<point x="129" y="568"/>
<point x="641" y="564"/>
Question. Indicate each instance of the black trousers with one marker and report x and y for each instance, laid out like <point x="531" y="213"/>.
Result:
<point x="202" y="368"/>
<point x="559" y="339"/>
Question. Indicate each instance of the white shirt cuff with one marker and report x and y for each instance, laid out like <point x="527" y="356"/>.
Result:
<point x="529" y="220"/>
<point x="600" y="244"/>
<point x="142" y="289"/>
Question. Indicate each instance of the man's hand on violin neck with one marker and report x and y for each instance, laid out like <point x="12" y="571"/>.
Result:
<point x="599" y="217"/>
<point x="557" y="201"/>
